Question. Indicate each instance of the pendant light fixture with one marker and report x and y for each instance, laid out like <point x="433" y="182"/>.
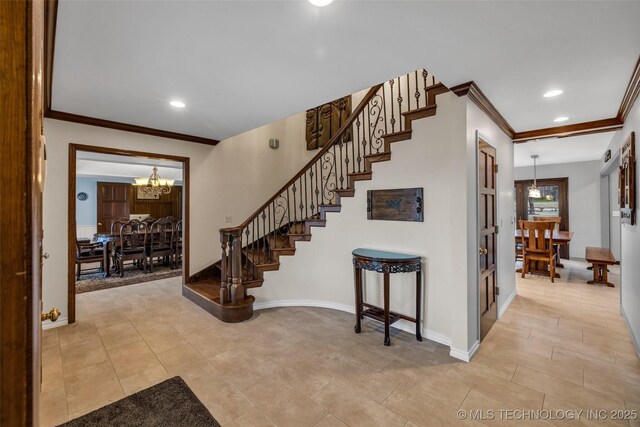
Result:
<point x="534" y="191"/>
<point x="154" y="184"/>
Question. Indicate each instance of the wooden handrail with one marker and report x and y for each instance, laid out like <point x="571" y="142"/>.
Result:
<point x="347" y="125"/>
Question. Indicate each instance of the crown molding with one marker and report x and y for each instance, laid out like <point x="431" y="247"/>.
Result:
<point x="585" y="128"/>
<point x="474" y="93"/>
<point x="92" y="121"/>
<point x="631" y="94"/>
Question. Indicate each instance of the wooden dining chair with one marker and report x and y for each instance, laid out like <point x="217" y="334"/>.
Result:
<point x="160" y="245"/>
<point x="132" y="245"/>
<point x="536" y="246"/>
<point x="177" y="244"/>
<point x="556" y="220"/>
<point x="87" y="252"/>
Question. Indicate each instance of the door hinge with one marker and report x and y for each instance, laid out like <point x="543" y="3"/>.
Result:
<point x="497" y="290"/>
<point x="495" y="168"/>
<point x="497" y="228"/>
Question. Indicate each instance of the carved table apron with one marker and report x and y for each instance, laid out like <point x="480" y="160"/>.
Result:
<point x="385" y="263"/>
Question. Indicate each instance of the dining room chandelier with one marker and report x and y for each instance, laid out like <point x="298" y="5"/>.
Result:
<point x="534" y="191"/>
<point x="154" y="184"/>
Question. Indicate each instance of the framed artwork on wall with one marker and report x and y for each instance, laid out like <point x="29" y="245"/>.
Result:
<point x="405" y="204"/>
<point x="324" y="121"/>
<point x="141" y="195"/>
<point x="627" y="181"/>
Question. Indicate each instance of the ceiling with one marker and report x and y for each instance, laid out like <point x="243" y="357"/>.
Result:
<point x="562" y="150"/>
<point x="241" y="64"/>
<point x="98" y="165"/>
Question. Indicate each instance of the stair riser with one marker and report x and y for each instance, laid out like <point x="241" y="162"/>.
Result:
<point x="416" y="115"/>
<point x="368" y="162"/>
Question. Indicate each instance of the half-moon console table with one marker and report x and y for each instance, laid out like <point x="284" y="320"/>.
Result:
<point x="385" y="263"/>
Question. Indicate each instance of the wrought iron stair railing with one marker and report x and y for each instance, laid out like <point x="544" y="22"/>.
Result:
<point x="254" y="246"/>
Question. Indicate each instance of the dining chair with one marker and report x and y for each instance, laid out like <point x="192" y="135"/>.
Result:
<point x="133" y="245"/>
<point x="161" y="241"/>
<point x="556" y="220"/>
<point x="87" y="252"/>
<point x="177" y="244"/>
<point x="536" y="246"/>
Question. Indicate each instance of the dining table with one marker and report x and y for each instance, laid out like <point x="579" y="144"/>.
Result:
<point x="560" y="237"/>
<point x="109" y="242"/>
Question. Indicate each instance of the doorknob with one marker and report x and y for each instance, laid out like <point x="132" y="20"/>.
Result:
<point x="483" y="251"/>
<point x="52" y="315"/>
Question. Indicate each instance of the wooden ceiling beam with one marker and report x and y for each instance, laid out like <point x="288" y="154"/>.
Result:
<point x="596" y="126"/>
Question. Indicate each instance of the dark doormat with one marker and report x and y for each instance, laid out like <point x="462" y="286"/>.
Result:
<point x="170" y="403"/>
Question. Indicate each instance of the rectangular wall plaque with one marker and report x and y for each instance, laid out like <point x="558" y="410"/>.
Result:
<point x="627" y="183"/>
<point x="395" y="205"/>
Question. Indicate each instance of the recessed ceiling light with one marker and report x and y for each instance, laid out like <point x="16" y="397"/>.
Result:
<point x="177" y="104"/>
<point x="320" y="3"/>
<point x="553" y="93"/>
<point x="561" y="119"/>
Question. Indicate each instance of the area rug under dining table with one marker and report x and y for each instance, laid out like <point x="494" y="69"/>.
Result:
<point x="94" y="280"/>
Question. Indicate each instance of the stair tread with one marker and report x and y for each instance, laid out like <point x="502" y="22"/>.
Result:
<point x="365" y="173"/>
<point x="400" y="132"/>
<point x="418" y="111"/>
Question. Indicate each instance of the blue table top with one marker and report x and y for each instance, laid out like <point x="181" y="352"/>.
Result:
<point x="373" y="253"/>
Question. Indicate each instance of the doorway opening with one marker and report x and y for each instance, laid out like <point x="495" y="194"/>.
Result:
<point x="119" y="233"/>
<point x="553" y="202"/>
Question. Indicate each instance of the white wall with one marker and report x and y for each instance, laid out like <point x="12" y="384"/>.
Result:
<point x="584" y="200"/>
<point x="232" y="178"/>
<point x="630" y="237"/>
<point x="87" y="210"/>
<point x="321" y="272"/>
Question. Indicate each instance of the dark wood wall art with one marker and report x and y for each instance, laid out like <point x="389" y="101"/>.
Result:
<point x="627" y="183"/>
<point x="396" y="205"/>
<point x="324" y="121"/>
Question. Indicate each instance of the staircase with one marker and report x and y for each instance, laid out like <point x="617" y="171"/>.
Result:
<point x="383" y="117"/>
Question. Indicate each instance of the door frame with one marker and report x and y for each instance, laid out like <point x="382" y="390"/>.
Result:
<point x="22" y="174"/>
<point x="563" y="183"/>
<point x="71" y="223"/>
<point x="482" y="138"/>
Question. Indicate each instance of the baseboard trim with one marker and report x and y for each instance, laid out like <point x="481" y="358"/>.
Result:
<point x="507" y="303"/>
<point x="403" y="325"/>
<point x="636" y="341"/>
<point x="465" y="356"/>
<point x="50" y="325"/>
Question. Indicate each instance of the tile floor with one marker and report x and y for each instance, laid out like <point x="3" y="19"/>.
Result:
<point x="559" y="346"/>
